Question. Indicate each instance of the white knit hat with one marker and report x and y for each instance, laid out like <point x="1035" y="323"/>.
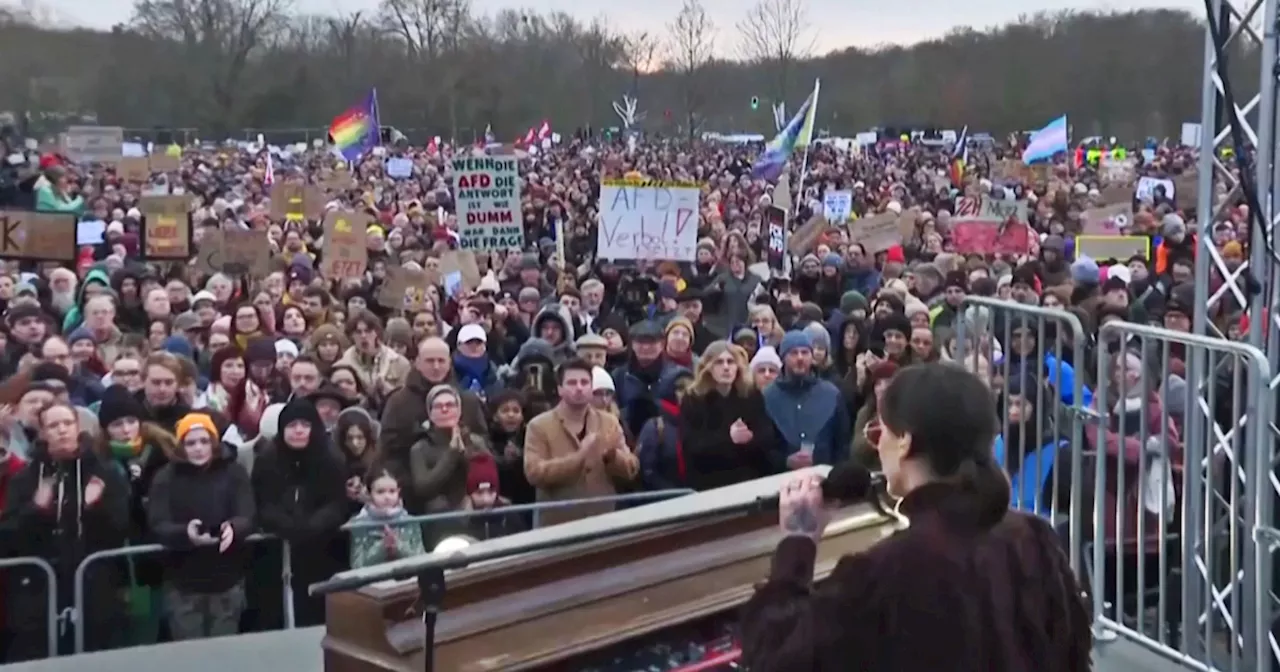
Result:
<point x="766" y="355"/>
<point x="601" y="380"/>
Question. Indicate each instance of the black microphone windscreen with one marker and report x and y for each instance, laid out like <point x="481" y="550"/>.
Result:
<point x="847" y="482"/>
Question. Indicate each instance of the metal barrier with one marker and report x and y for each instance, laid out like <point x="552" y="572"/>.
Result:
<point x="1013" y="345"/>
<point x="78" y="604"/>
<point x="654" y="495"/>
<point x="1177" y="472"/>
<point x="51" y="595"/>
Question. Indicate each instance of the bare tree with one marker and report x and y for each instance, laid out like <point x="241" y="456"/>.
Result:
<point x="776" y="34"/>
<point x="426" y="26"/>
<point x="219" y="38"/>
<point x="690" y="52"/>
<point x="639" y="50"/>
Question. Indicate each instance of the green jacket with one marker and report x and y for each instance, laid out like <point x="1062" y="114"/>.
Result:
<point x="48" y="201"/>
<point x="368" y="544"/>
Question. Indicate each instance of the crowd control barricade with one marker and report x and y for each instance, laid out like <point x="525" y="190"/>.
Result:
<point x="1176" y="479"/>
<point x="1035" y="357"/>
<point x="517" y="509"/>
<point x="52" y="617"/>
<point x="78" y="604"/>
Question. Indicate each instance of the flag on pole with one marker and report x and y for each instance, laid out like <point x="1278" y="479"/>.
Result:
<point x="489" y="138"/>
<point x="806" y="131"/>
<point x="269" y="177"/>
<point x="356" y="131"/>
<point x="1046" y="142"/>
<point x="770" y="163"/>
<point x="960" y="158"/>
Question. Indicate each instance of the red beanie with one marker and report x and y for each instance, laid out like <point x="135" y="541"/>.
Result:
<point x="895" y="253"/>
<point x="482" y="469"/>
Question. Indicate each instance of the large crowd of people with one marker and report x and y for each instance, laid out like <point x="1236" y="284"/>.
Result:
<point x="154" y="402"/>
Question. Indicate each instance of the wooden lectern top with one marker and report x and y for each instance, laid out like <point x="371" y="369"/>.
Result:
<point x="541" y="610"/>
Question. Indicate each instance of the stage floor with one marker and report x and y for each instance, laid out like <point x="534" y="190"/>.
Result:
<point x="299" y="651"/>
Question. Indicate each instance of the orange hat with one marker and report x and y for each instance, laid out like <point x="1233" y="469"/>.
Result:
<point x="191" y="421"/>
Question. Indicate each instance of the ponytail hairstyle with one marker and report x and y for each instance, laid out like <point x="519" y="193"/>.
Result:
<point x="951" y="417"/>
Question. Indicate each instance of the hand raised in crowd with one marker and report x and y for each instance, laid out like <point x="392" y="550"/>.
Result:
<point x="389" y="539"/>
<point x="44" y="493"/>
<point x="93" y="491"/>
<point x="226" y="537"/>
<point x="456" y="441"/>
<point x="7" y="418"/>
<point x="739" y="433"/>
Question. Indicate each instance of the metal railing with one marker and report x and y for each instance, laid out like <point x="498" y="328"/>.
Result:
<point x="993" y="334"/>
<point x="51" y="595"/>
<point x="78" y="603"/>
<point x="535" y="508"/>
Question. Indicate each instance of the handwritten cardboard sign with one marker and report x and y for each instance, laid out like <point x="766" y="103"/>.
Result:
<point x="1120" y="248"/>
<point x="405" y="289"/>
<point x="39" y="236"/>
<point x="464" y="263"/>
<point x="876" y="233"/>
<point x="166" y="226"/>
<point x="657" y="222"/>
<point x="134" y="169"/>
<point x="806" y="235"/>
<point x="981" y="236"/>
<point x="1001" y="210"/>
<point x="163" y="162"/>
<point x="235" y="251"/>
<point x="1112" y="220"/>
<point x="345" y="253"/>
<point x="290" y="201"/>
<point x="1187" y="188"/>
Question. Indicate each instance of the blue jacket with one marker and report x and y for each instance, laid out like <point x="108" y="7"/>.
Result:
<point x="808" y="409"/>
<point x="1063" y="377"/>
<point x="1032" y="477"/>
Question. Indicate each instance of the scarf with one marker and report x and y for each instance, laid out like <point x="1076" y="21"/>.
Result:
<point x="242" y="340"/>
<point x="685" y="359"/>
<point x="672" y="409"/>
<point x="126" y="450"/>
<point x="471" y="371"/>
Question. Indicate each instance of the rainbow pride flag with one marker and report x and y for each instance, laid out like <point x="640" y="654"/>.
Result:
<point x="356" y="130"/>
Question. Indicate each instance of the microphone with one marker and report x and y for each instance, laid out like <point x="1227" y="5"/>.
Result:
<point x="846" y="483"/>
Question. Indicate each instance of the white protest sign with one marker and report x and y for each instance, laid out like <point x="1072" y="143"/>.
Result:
<point x="399" y="168"/>
<point x="1146" y="190"/>
<point x="487" y="191"/>
<point x="89" y="144"/>
<point x="1000" y="209"/>
<point x="837" y="205"/>
<point x="648" y="220"/>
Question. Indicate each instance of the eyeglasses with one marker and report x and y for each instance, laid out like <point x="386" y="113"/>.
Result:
<point x="125" y="373"/>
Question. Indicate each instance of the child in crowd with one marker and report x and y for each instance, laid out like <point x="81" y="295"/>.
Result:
<point x="392" y="540"/>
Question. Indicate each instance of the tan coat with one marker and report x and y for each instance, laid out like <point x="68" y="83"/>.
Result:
<point x="556" y="464"/>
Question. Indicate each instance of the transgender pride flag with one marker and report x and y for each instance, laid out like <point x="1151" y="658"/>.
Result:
<point x="1046" y="142"/>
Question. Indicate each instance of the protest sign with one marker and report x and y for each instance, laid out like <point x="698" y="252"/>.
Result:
<point x="876" y="233"/>
<point x="163" y="162"/>
<point x="1111" y="220"/>
<point x="837" y="205"/>
<point x="38" y="236"/>
<point x="648" y="220"/>
<point x="979" y="236"/>
<point x="1000" y="210"/>
<point x="908" y="229"/>
<point x="166" y="227"/>
<point x="487" y="192"/>
<point x="1117" y="171"/>
<point x="806" y="235"/>
<point x="463" y="263"/>
<point x="1120" y="248"/>
<point x="1187" y="187"/>
<point x="235" y="251"/>
<point x="94" y="144"/>
<point x="134" y="169"/>
<point x="405" y="289"/>
<point x="295" y="201"/>
<point x="345" y="255"/>
<point x="776" y="220"/>
<point x="1147" y="188"/>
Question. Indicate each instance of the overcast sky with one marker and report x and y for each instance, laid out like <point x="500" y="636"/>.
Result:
<point x="840" y="22"/>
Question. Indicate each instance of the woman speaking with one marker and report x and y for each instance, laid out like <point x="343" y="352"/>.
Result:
<point x="968" y="586"/>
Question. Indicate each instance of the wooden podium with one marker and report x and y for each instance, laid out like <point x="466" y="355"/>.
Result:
<point x="545" y="610"/>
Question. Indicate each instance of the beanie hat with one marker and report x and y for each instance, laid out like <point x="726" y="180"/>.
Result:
<point x="601" y="380"/>
<point x="792" y="340"/>
<point x="482" y="469"/>
<point x="766" y="355"/>
<point x="191" y="421"/>
<point x="818" y="335"/>
<point x="832" y="260"/>
<point x="1084" y="271"/>
<point x="118" y="402"/>
<point x="81" y="334"/>
<point x="851" y="301"/>
<point x="260" y="349"/>
<point x="679" y="322"/>
<point x="1173" y="225"/>
<point x="285" y="346"/>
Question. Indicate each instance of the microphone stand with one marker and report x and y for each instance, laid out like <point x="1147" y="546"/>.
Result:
<point x="431" y="589"/>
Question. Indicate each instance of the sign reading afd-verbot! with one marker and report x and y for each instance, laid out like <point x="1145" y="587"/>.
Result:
<point x="487" y="192"/>
<point x="648" y="220"/>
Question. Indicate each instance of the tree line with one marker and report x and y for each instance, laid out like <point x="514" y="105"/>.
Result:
<point x="223" y="66"/>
